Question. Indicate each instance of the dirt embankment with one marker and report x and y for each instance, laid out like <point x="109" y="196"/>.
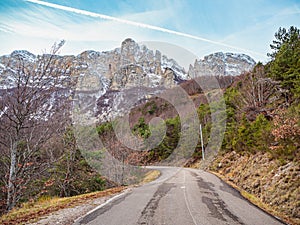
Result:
<point x="269" y="184"/>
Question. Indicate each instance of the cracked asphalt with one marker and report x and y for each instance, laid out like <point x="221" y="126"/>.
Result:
<point x="180" y="196"/>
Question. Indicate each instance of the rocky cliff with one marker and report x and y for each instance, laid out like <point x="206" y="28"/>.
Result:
<point x="110" y="83"/>
<point x="134" y="65"/>
<point x="221" y="64"/>
<point x="125" y="67"/>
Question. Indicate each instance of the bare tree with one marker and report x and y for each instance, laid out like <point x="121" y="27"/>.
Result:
<point x="256" y="90"/>
<point x="31" y="111"/>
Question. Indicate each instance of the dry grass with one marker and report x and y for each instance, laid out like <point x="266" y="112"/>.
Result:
<point x="256" y="201"/>
<point x="32" y="210"/>
<point x="195" y="165"/>
<point x="150" y="176"/>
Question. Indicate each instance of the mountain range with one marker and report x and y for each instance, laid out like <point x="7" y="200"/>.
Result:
<point x="131" y="70"/>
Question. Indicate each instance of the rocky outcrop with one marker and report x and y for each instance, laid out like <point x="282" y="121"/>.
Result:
<point x="134" y="65"/>
<point x="221" y="64"/>
<point x="129" y="74"/>
<point x="139" y="66"/>
<point x="126" y="67"/>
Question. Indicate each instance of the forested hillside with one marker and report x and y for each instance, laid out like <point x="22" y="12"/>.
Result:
<point x="261" y="147"/>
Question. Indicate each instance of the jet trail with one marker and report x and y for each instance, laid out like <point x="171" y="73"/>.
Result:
<point x="6" y="29"/>
<point x="137" y="24"/>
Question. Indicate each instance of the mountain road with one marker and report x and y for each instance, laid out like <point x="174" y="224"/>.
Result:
<point x="180" y="196"/>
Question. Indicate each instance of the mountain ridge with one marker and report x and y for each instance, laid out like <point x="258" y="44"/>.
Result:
<point x="130" y="70"/>
<point x="122" y="66"/>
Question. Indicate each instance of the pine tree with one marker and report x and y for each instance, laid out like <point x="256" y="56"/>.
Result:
<point x="285" y="65"/>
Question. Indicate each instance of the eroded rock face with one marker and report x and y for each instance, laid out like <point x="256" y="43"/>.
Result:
<point x="221" y="64"/>
<point x="131" y="70"/>
<point x="131" y="73"/>
<point x="139" y="66"/>
<point x="133" y="65"/>
<point x="129" y="66"/>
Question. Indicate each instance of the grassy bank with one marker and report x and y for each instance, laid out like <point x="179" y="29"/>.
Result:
<point x="31" y="211"/>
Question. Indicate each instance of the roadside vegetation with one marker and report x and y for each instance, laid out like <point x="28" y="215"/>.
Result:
<point x="45" y="205"/>
<point x="261" y="149"/>
<point x="39" y="155"/>
<point x="260" y="152"/>
<point x="32" y="211"/>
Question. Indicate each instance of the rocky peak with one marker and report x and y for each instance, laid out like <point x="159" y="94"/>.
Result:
<point x="221" y="64"/>
<point x="132" y="72"/>
<point x="140" y="66"/>
<point x="130" y="65"/>
<point x="23" y="54"/>
<point x="118" y="71"/>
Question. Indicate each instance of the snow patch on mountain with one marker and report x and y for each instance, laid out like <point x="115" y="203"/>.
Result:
<point x="222" y="64"/>
<point x="179" y="71"/>
<point x="24" y="55"/>
<point x="108" y="81"/>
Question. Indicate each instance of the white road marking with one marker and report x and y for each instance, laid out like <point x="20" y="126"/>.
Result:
<point x="187" y="203"/>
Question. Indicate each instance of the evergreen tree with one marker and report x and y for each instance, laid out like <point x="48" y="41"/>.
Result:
<point x="285" y="65"/>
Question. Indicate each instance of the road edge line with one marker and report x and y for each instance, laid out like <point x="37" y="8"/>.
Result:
<point x="102" y="205"/>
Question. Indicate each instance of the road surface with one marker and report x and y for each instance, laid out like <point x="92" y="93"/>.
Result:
<point x="180" y="196"/>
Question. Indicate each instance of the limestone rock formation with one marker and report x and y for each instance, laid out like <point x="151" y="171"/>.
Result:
<point x="110" y="82"/>
<point x="221" y="64"/>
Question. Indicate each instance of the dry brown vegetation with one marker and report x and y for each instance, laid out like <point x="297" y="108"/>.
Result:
<point x="31" y="211"/>
<point x="261" y="179"/>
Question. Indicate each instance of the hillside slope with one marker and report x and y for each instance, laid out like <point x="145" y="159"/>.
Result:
<point x="261" y="148"/>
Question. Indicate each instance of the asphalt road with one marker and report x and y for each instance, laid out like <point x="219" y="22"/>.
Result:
<point x="180" y="196"/>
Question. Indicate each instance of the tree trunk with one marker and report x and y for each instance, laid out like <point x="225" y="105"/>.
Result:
<point x="11" y="188"/>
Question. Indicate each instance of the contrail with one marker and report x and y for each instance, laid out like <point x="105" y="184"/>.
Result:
<point x="137" y="24"/>
<point x="6" y="29"/>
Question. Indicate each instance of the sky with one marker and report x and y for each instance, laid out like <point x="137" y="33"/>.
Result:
<point x="200" y="27"/>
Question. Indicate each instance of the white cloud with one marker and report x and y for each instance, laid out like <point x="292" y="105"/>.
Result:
<point x="37" y="27"/>
<point x="137" y="24"/>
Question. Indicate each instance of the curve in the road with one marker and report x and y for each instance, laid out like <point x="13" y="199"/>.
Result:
<point x="180" y="196"/>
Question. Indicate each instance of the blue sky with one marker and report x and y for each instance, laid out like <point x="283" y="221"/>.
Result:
<point x="202" y="26"/>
